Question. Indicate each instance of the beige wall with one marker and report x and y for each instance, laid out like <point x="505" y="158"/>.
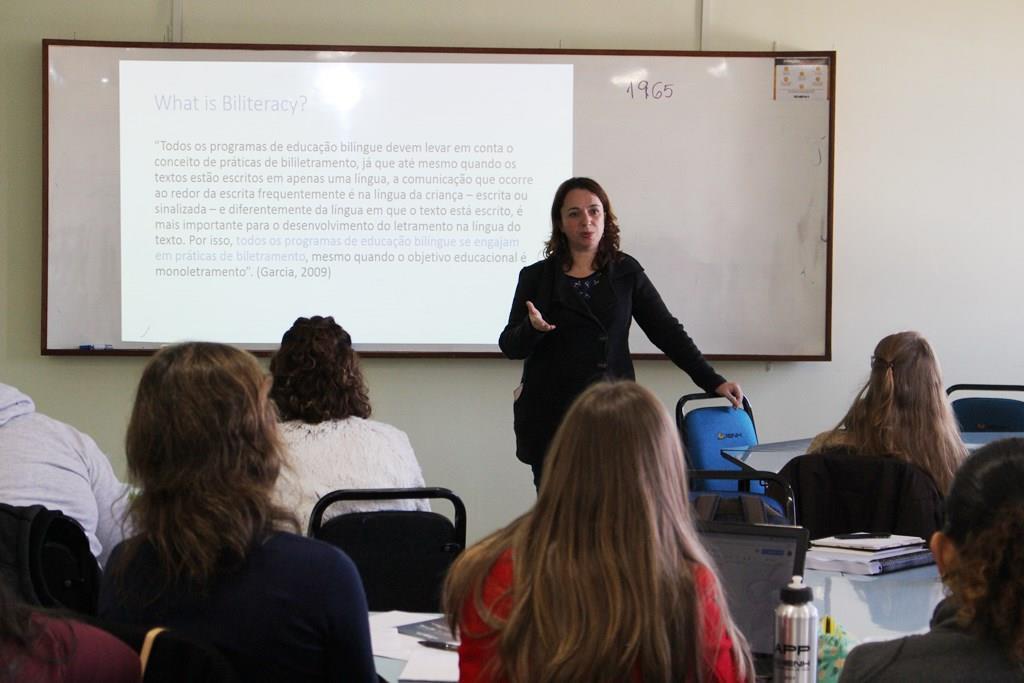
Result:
<point x="928" y="150"/>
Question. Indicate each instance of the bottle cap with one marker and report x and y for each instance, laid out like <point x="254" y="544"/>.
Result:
<point x="796" y="593"/>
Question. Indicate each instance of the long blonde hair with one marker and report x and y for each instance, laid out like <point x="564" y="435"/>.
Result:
<point x="604" y="564"/>
<point x="902" y="411"/>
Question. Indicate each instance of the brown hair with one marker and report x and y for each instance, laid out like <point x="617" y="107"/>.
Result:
<point x="558" y="245"/>
<point x="316" y="373"/>
<point x="902" y="411"/>
<point x="985" y="521"/>
<point x="604" y="565"/>
<point x="203" y="450"/>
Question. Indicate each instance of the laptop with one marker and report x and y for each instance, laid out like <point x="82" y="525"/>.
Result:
<point x="754" y="562"/>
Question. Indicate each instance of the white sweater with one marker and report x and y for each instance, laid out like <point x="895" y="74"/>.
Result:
<point x="345" y="454"/>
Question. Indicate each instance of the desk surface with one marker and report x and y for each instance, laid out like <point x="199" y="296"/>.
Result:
<point x="767" y="457"/>
<point x="399" y="657"/>
<point x="975" y="440"/>
<point x="773" y="456"/>
<point x="867" y="607"/>
<point x="879" y="607"/>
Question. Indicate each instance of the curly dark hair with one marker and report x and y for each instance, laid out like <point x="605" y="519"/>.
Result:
<point x="316" y="373"/>
<point x="558" y="245"/>
<point x="985" y="521"/>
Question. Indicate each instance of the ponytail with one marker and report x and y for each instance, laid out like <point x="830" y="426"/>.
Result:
<point x="881" y="438"/>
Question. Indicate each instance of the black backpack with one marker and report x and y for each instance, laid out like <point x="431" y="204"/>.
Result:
<point x="45" y="557"/>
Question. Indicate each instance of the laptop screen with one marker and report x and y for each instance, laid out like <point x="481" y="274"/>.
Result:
<point x="754" y="563"/>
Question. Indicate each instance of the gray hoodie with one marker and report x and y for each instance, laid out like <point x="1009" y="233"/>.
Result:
<point x="46" y="462"/>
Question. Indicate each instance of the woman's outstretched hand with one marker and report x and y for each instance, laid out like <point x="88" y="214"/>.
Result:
<point x="538" y="321"/>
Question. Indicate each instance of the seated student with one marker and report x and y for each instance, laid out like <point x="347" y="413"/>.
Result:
<point x="604" y="579"/>
<point x="46" y="462"/>
<point x="36" y="647"/>
<point x="210" y="558"/>
<point x="902" y="412"/>
<point x="330" y="444"/>
<point x="977" y="633"/>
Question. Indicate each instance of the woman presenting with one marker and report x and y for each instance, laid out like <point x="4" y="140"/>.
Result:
<point x="571" y="314"/>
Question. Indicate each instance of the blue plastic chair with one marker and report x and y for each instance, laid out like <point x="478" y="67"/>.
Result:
<point x="988" y="413"/>
<point x="707" y="430"/>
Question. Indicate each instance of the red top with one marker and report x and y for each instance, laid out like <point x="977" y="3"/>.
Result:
<point x="475" y="653"/>
<point x="70" y="652"/>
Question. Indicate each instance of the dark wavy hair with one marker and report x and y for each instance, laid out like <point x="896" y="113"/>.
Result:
<point x="203" y="449"/>
<point x="558" y="245"/>
<point x="316" y="373"/>
<point x="985" y="521"/>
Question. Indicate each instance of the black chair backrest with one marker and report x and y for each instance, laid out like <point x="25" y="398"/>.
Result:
<point x="402" y="556"/>
<point x="841" y="492"/>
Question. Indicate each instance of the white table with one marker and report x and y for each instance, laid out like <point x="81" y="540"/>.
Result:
<point x="879" y="607"/>
<point x="767" y="457"/>
<point x="399" y="657"/>
<point x="975" y="440"/>
<point x="773" y="456"/>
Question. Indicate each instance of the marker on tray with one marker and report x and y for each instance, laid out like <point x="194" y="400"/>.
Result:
<point x="95" y="347"/>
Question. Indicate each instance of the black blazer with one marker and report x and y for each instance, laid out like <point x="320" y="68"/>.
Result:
<point x="581" y="350"/>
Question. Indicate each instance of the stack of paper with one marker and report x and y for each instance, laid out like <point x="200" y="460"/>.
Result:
<point x="868" y="553"/>
<point x="400" y="656"/>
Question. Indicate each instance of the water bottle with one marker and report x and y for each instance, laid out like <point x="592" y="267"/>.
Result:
<point x="796" y="635"/>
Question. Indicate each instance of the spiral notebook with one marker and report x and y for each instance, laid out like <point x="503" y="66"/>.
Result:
<point x="868" y="554"/>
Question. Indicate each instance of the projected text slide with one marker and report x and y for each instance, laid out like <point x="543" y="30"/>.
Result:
<point x="401" y="198"/>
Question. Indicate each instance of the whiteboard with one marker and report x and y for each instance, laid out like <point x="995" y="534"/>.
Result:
<point x="718" y="166"/>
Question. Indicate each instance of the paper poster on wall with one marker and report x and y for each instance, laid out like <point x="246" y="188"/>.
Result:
<point x="801" y="79"/>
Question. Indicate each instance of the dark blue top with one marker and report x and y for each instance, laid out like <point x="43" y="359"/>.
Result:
<point x="584" y="285"/>
<point x="597" y="296"/>
<point x="294" y="611"/>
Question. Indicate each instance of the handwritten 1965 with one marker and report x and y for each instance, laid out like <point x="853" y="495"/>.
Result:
<point x="646" y="90"/>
